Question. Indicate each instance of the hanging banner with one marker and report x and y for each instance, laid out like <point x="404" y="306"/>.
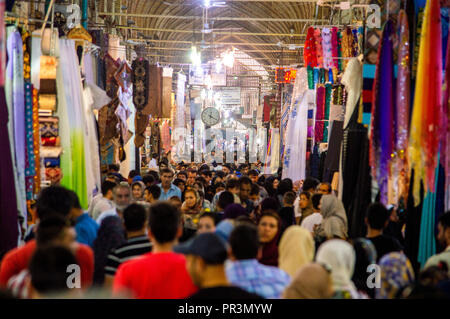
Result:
<point x="231" y="95"/>
<point x="196" y="75"/>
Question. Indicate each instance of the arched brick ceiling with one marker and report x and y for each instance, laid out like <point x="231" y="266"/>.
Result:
<point x="253" y="9"/>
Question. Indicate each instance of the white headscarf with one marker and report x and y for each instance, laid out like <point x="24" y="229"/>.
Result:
<point x="340" y="256"/>
<point x="295" y="250"/>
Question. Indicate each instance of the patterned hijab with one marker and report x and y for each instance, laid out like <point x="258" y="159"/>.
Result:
<point x="396" y="274"/>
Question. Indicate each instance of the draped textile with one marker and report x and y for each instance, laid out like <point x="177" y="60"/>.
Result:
<point x="297" y="129"/>
<point x="309" y="51"/>
<point x="319" y="48"/>
<point x="327" y="48"/>
<point x="400" y="169"/>
<point x="382" y="130"/>
<point x="15" y="98"/>
<point x="72" y="121"/>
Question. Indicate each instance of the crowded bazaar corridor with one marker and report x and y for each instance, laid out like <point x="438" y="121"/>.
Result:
<point x="205" y="149"/>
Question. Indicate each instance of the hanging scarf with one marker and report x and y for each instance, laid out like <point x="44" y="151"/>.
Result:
<point x="427" y="110"/>
<point x="320" y="113"/>
<point x="327" y="49"/>
<point x="319" y="50"/>
<point x="335" y="47"/>
<point x="445" y="141"/>
<point x="382" y="130"/>
<point x="401" y="169"/>
<point x="309" y="52"/>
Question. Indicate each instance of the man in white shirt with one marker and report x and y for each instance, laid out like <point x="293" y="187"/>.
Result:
<point x="444" y="239"/>
<point x="316" y="217"/>
<point x="153" y="165"/>
<point x="122" y="198"/>
<point x="103" y="201"/>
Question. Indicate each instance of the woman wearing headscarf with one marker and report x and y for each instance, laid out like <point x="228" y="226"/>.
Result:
<point x="304" y="208"/>
<point x="233" y="211"/>
<point x="295" y="250"/>
<point x="190" y="210"/>
<point x="137" y="191"/>
<point x="111" y="234"/>
<point x="339" y="255"/>
<point x="271" y="185"/>
<point x="366" y="255"/>
<point x="312" y="281"/>
<point x="269" y="227"/>
<point x="396" y="274"/>
<point x="334" y="223"/>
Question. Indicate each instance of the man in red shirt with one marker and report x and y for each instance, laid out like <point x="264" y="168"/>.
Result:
<point x="54" y="200"/>
<point x="162" y="273"/>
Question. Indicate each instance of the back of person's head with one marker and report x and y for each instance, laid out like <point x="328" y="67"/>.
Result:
<point x="51" y="229"/>
<point x="310" y="184"/>
<point x="289" y="198"/>
<point x="133" y="173"/>
<point x="315" y="199"/>
<point x="269" y="203"/>
<point x="155" y="155"/>
<point x="164" y="222"/>
<point x="206" y="172"/>
<point x="134" y="217"/>
<point x="285" y="185"/>
<point x="56" y="200"/>
<point x="220" y="174"/>
<point x="155" y="190"/>
<point x="261" y="180"/>
<point x="244" y="241"/>
<point x="155" y="175"/>
<point x="48" y="269"/>
<point x="219" y="185"/>
<point x="148" y="179"/>
<point x="225" y="198"/>
<point x="434" y="275"/>
<point x="107" y="186"/>
<point x="377" y="216"/>
<point x="232" y="183"/>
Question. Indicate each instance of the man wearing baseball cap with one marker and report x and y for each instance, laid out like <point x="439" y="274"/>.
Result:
<point x="206" y="255"/>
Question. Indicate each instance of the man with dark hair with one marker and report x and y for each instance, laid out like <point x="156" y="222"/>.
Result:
<point x="162" y="273"/>
<point x="54" y="200"/>
<point x="226" y="169"/>
<point x="377" y="218"/>
<point x="48" y="271"/>
<point x="253" y="175"/>
<point x="152" y="194"/>
<point x="103" y="200"/>
<point x="324" y="188"/>
<point x="310" y="185"/>
<point x="155" y="175"/>
<point x="133" y="173"/>
<point x="254" y="194"/>
<point x="232" y="186"/>
<point x="148" y="180"/>
<point x="135" y="220"/>
<point x="122" y="198"/>
<point x="316" y="217"/>
<point x="167" y="188"/>
<point x="207" y="223"/>
<point x="183" y="176"/>
<point x="245" y="187"/>
<point x="85" y="226"/>
<point x="114" y="169"/>
<point x="206" y="255"/>
<point x="192" y="175"/>
<point x="443" y="238"/>
<point x="246" y="272"/>
<point x="225" y="198"/>
<point x="207" y="175"/>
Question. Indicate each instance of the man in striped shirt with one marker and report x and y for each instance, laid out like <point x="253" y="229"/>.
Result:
<point x="136" y="221"/>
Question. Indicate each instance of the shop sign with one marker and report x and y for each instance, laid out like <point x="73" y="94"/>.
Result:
<point x="231" y="95"/>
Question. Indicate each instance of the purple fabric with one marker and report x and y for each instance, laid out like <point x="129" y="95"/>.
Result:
<point x="8" y="208"/>
<point x="383" y="135"/>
